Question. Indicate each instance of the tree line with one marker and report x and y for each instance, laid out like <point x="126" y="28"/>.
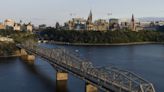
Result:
<point x="119" y="36"/>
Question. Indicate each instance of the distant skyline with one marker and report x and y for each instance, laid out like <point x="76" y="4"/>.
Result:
<point x="50" y="11"/>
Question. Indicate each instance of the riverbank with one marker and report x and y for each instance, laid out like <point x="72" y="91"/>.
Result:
<point x="102" y="44"/>
<point x="16" y="54"/>
<point x="10" y="56"/>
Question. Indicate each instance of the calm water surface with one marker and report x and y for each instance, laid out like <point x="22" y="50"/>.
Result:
<point x="145" y="60"/>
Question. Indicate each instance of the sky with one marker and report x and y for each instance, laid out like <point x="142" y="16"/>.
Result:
<point x="51" y="11"/>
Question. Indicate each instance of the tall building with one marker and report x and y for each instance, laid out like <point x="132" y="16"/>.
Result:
<point x="133" y="26"/>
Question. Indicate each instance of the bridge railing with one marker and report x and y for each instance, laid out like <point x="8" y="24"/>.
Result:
<point x="108" y="77"/>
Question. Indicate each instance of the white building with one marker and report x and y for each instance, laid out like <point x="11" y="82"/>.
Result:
<point x="9" y="23"/>
<point x="29" y="27"/>
<point x="17" y="27"/>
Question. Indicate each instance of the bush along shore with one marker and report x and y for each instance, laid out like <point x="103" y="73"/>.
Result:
<point x="9" y="49"/>
<point x="97" y="37"/>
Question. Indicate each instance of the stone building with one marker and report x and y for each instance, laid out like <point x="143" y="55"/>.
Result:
<point x="76" y="24"/>
<point x="27" y="27"/>
<point x="89" y="25"/>
<point x="101" y="25"/>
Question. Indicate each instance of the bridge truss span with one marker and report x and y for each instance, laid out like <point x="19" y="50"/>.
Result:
<point x="106" y="78"/>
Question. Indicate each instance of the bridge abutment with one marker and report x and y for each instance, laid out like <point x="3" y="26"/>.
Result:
<point x="23" y="52"/>
<point x="27" y="57"/>
<point x="90" y="88"/>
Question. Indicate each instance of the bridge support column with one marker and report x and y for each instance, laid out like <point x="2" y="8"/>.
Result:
<point x="28" y="58"/>
<point x="90" y="88"/>
<point x="62" y="76"/>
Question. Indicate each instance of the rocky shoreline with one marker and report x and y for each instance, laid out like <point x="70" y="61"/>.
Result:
<point x="9" y="56"/>
<point x="16" y="54"/>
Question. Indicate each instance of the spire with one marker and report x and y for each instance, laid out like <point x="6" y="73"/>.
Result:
<point x="133" y="23"/>
<point x="132" y="18"/>
<point x="90" y="13"/>
<point x="90" y="17"/>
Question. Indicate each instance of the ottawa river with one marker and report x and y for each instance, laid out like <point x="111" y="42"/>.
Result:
<point x="145" y="60"/>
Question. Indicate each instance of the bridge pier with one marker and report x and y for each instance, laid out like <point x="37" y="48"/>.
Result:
<point x="28" y="58"/>
<point x="61" y="76"/>
<point x="90" y="88"/>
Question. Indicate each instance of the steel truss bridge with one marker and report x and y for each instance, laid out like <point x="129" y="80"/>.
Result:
<point x="110" y="79"/>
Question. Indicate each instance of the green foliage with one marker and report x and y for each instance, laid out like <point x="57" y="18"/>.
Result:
<point x="120" y="36"/>
<point x="18" y="36"/>
<point x="7" y="48"/>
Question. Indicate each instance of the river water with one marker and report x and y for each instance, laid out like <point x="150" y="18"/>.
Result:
<point x="144" y="60"/>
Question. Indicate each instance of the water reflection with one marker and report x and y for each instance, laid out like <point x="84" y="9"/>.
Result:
<point x="61" y="86"/>
<point x="46" y="80"/>
<point x="56" y="86"/>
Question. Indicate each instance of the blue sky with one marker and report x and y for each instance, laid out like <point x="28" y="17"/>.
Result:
<point x="50" y="11"/>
